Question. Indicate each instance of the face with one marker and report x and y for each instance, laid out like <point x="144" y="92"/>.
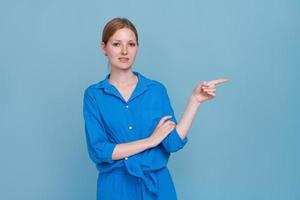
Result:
<point x="121" y="49"/>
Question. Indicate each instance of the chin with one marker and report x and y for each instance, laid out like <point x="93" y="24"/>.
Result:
<point x="123" y="67"/>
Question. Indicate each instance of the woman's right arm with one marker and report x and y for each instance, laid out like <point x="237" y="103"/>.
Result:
<point x="162" y="130"/>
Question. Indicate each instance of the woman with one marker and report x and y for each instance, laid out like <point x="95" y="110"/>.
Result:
<point x="130" y="125"/>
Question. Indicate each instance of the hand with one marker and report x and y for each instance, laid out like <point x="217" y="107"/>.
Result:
<point x="206" y="90"/>
<point x="162" y="130"/>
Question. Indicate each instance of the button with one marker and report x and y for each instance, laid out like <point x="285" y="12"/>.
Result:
<point x="127" y="106"/>
<point x="126" y="158"/>
<point x="130" y="127"/>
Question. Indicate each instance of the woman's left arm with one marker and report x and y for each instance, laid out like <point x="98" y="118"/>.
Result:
<point x="202" y="92"/>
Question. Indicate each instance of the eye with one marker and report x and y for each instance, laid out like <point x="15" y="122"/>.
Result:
<point x="132" y="44"/>
<point x="116" y="44"/>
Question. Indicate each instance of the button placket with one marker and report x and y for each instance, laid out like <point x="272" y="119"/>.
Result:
<point x="130" y="126"/>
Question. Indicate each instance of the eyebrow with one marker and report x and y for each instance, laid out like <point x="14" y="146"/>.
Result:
<point x="128" y="40"/>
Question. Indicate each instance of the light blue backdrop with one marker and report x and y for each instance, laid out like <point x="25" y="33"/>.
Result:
<point x="243" y="145"/>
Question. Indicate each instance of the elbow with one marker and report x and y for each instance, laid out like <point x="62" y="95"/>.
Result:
<point x="172" y="149"/>
<point x="173" y="142"/>
<point x="102" y="153"/>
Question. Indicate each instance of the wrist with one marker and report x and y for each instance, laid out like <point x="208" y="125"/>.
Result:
<point x="149" y="143"/>
<point x="194" y="101"/>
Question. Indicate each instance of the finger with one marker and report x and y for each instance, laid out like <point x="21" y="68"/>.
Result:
<point x="208" y="85"/>
<point x="205" y="84"/>
<point x="169" y="123"/>
<point x="171" y="126"/>
<point x="163" y="119"/>
<point x="167" y="127"/>
<point x="167" y="130"/>
<point x="209" y="89"/>
<point x="203" y="87"/>
<point x="211" y="94"/>
<point x="170" y="129"/>
<point x="218" y="81"/>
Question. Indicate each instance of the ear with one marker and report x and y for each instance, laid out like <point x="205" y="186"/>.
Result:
<point x="103" y="48"/>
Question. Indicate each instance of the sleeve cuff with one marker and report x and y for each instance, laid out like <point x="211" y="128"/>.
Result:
<point x="173" y="142"/>
<point x="177" y="140"/>
<point x="109" y="148"/>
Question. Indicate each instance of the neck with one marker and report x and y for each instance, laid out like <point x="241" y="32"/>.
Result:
<point x="122" y="77"/>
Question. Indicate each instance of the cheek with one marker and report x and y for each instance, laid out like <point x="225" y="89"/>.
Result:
<point x="113" y="53"/>
<point x="134" y="52"/>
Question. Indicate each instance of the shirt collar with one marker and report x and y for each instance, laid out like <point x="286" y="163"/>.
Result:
<point x="142" y="85"/>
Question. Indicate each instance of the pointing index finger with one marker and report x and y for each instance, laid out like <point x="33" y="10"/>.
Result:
<point x="218" y="81"/>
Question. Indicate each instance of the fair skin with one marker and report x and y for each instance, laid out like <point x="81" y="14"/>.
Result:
<point x="121" y="50"/>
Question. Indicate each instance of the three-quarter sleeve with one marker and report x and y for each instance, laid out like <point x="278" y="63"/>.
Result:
<point x="172" y="142"/>
<point x="100" y="149"/>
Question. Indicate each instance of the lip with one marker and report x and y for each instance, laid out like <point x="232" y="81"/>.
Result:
<point x="124" y="59"/>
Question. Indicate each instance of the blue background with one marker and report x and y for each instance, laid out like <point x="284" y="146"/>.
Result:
<point x="244" y="144"/>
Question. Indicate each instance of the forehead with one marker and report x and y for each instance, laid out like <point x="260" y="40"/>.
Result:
<point x="123" y="34"/>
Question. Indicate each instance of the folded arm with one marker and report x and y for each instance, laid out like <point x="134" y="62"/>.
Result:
<point x="100" y="148"/>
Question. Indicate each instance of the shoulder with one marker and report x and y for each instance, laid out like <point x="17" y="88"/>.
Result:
<point x="92" y="88"/>
<point x="156" y="85"/>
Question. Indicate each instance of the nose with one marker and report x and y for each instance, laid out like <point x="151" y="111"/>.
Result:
<point x="124" y="50"/>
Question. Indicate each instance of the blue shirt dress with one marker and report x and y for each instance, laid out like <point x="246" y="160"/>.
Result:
<point x="110" y="120"/>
